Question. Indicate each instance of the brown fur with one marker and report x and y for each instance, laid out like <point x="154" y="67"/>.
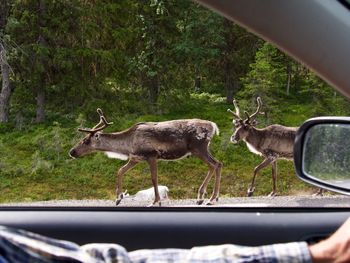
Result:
<point x="273" y="142"/>
<point x="152" y="141"/>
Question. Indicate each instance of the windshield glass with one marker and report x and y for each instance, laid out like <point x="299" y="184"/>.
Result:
<point x="149" y="84"/>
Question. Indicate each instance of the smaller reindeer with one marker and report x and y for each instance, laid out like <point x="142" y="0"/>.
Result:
<point x="273" y="142"/>
<point x="153" y="141"/>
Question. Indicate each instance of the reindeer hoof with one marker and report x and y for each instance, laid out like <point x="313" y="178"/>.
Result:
<point x="199" y="202"/>
<point x="319" y="192"/>
<point x="212" y="201"/>
<point x="121" y="196"/>
<point x="250" y="192"/>
<point x="272" y="194"/>
<point x="155" y="204"/>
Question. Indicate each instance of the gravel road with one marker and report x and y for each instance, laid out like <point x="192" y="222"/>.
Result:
<point x="278" y="201"/>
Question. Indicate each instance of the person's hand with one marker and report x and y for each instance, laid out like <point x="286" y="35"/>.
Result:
<point x="336" y="248"/>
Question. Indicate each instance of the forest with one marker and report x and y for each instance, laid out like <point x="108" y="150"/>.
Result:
<point x="139" y="61"/>
<point x="328" y="152"/>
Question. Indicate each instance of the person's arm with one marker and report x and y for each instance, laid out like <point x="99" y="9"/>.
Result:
<point x="278" y="253"/>
<point x="18" y="244"/>
<point x="21" y="246"/>
<point x="334" y="249"/>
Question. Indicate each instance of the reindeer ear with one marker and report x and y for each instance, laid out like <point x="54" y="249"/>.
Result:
<point x="97" y="136"/>
<point x="254" y="123"/>
<point x="238" y="122"/>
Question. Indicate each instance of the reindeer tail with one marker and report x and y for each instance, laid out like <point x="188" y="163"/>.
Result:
<point x="215" y="128"/>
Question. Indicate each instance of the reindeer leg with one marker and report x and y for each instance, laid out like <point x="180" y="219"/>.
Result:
<point x="265" y="163"/>
<point x="274" y="179"/>
<point x="131" y="163"/>
<point x="319" y="192"/>
<point x="203" y="187"/>
<point x="153" y="167"/>
<point x="214" y="165"/>
<point x="215" y="195"/>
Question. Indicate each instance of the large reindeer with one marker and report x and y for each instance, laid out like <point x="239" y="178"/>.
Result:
<point x="273" y="142"/>
<point x="153" y="141"/>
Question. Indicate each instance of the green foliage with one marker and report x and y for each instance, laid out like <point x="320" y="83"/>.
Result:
<point x="35" y="164"/>
<point x="140" y="61"/>
<point x="327" y="151"/>
<point x="284" y="85"/>
<point x="80" y="54"/>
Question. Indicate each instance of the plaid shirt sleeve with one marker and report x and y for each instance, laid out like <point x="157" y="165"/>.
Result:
<point x="296" y="252"/>
<point x="22" y="246"/>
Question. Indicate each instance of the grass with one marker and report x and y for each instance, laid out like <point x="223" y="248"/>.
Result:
<point x="34" y="163"/>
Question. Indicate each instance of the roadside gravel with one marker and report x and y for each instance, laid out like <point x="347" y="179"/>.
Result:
<point x="278" y="201"/>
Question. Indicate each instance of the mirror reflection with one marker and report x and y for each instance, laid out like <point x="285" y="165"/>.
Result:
<point x="326" y="155"/>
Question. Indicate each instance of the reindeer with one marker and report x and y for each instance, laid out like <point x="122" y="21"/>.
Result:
<point x="273" y="142"/>
<point x="153" y="141"/>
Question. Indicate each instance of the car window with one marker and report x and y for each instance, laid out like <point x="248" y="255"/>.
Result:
<point x="150" y="82"/>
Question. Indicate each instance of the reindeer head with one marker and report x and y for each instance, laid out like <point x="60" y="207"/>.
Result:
<point x="91" y="142"/>
<point x="242" y="127"/>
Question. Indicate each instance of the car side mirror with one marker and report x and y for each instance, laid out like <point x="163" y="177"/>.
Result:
<point x="322" y="153"/>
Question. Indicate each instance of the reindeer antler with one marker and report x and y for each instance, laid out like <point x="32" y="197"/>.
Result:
<point x="248" y="117"/>
<point x="96" y="128"/>
<point x="236" y="114"/>
<point x="258" y="99"/>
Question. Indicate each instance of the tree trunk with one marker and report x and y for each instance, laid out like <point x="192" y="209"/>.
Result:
<point x="154" y="89"/>
<point x="4" y="9"/>
<point x="197" y="80"/>
<point x="40" y="93"/>
<point x="229" y="83"/>
<point x="229" y="91"/>
<point x="40" y="106"/>
<point x="6" y="91"/>
<point x="6" y="87"/>
<point x="289" y="76"/>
